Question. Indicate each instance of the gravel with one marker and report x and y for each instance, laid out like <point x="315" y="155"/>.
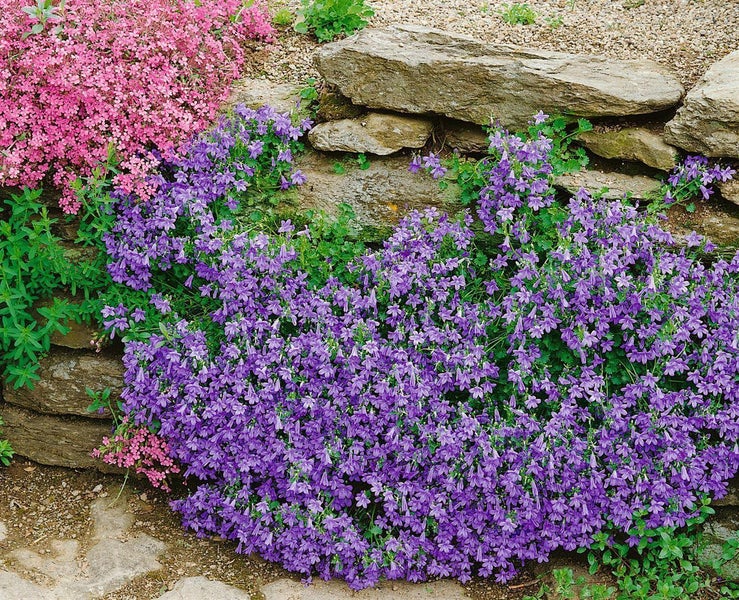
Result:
<point x="686" y="36"/>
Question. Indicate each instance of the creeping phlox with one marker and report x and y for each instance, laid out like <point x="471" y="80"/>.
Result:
<point x="134" y="74"/>
<point x="451" y="402"/>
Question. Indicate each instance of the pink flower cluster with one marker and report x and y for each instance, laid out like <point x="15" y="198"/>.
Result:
<point x="140" y="74"/>
<point x="135" y="447"/>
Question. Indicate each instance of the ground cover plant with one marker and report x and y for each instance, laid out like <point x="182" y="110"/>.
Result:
<point x="454" y="401"/>
<point x="328" y="19"/>
<point x="79" y="76"/>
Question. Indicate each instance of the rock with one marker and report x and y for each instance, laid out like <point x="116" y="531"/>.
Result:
<point x="287" y="589"/>
<point x="3" y="532"/>
<point x="376" y="133"/>
<point x="632" y="143"/>
<point x="609" y="185"/>
<point x="708" y="120"/>
<point x="53" y="440"/>
<point x="197" y="588"/>
<point x="332" y="106"/>
<point x="730" y="190"/>
<point x="379" y="195"/>
<point x="79" y="335"/>
<point x="419" y="70"/>
<point x="255" y="93"/>
<point x="465" y="138"/>
<point x="113" y="563"/>
<point x="64" y="376"/>
<point x="716" y="532"/>
<point x="718" y="221"/>
<point x="58" y="563"/>
<point x="13" y="587"/>
<point x="732" y="496"/>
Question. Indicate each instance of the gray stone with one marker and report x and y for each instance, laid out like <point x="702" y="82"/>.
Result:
<point x="465" y="138"/>
<point x="719" y="222"/>
<point x="609" y="185"/>
<point x="287" y="589"/>
<point x="65" y="374"/>
<point x="708" y="121"/>
<point x="717" y="531"/>
<point x="419" y="70"/>
<point x="255" y="93"/>
<point x="376" y="133"/>
<point x="3" y="532"/>
<point x="379" y="195"/>
<point x="55" y="440"/>
<point x="730" y="190"/>
<point x="57" y="564"/>
<point x="332" y="106"/>
<point x="113" y="563"/>
<point x="14" y="587"/>
<point x="197" y="588"/>
<point x="632" y="143"/>
<point x="79" y="335"/>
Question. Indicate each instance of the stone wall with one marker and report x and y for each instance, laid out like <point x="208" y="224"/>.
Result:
<point x="395" y="89"/>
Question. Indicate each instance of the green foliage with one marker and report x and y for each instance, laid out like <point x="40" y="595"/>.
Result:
<point x="44" y="12"/>
<point x="568" y="587"/>
<point x="566" y="156"/>
<point x="33" y="264"/>
<point x="659" y="563"/>
<point x="518" y="14"/>
<point x="283" y="18"/>
<point x="328" y="19"/>
<point x="100" y="401"/>
<point x="554" y="22"/>
<point x="6" y="452"/>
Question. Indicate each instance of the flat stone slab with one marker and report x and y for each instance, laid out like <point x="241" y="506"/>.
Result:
<point x="708" y="120"/>
<point x="255" y="93"/>
<point x="200" y="588"/>
<point x="287" y="589"/>
<point x="730" y="190"/>
<point x="420" y="70"/>
<point x="55" y="440"/>
<point x="65" y="374"/>
<point x="375" y="133"/>
<point x="379" y="195"/>
<point x="632" y="143"/>
<point x="609" y="185"/>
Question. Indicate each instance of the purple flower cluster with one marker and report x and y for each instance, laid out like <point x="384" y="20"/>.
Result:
<point x="693" y="177"/>
<point x="441" y="408"/>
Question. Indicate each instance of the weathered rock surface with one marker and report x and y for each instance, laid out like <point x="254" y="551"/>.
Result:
<point x="64" y="376"/>
<point x="376" y="133"/>
<point x="198" y="588"/>
<point x="287" y="589"/>
<point x="255" y="93"/>
<point x="730" y="190"/>
<point x="708" y="120"/>
<point x="718" y="221"/>
<point x="716" y="532"/>
<point x="54" y="440"/>
<point x="114" y="559"/>
<point x="610" y="185"/>
<point x="420" y="70"/>
<point x="332" y="106"/>
<point x="632" y="143"/>
<point x="732" y="497"/>
<point x="464" y="137"/>
<point x="379" y="195"/>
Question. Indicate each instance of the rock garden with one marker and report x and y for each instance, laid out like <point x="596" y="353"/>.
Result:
<point x="326" y="299"/>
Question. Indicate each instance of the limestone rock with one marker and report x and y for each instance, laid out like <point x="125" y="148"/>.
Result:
<point x="197" y="588"/>
<point x="376" y="133"/>
<point x="52" y="440"/>
<point x="719" y="222"/>
<point x="3" y="532"/>
<point x="255" y="93"/>
<point x="79" y="335"/>
<point x="379" y="196"/>
<point x="732" y="496"/>
<point x="730" y="190"/>
<point x="64" y="376"/>
<point x="284" y="589"/>
<point x="609" y="185"/>
<point x="718" y="530"/>
<point x="420" y="70"/>
<point x="13" y="587"/>
<point x="632" y="143"/>
<point x="708" y="121"/>
<point x="465" y="138"/>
